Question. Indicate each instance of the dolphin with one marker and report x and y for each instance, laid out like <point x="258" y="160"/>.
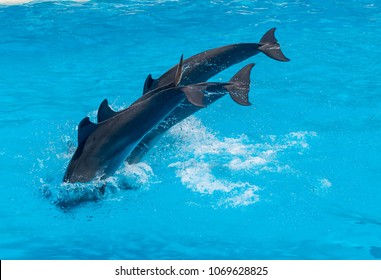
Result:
<point x="103" y="147"/>
<point x="201" y="67"/>
<point x="238" y="91"/>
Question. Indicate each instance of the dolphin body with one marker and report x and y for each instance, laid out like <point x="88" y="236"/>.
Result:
<point x="201" y="67"/>
<point x="238" y="90"/>
<point x="103" y="147"/>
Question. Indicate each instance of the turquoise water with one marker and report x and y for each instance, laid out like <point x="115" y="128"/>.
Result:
<point x="295" y="176"/>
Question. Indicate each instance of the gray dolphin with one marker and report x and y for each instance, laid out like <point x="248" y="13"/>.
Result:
<point x="201" y="67"/>
<point x="104" y="146"/>
<point x="238" y="91"/>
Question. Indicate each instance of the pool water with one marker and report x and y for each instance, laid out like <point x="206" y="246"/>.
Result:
<point x="294" y="176"/>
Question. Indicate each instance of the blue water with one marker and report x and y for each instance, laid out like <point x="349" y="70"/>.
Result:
<point x="295" y="176"/>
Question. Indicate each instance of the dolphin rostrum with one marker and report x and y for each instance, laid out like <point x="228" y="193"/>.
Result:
<point x="104" y="146"/>
<point x="201" y="67"/>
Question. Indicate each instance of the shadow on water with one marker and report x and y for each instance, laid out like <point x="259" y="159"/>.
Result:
<point x="375" y="252"/>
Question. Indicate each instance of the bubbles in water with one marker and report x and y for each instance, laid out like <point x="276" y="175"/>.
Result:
<point x="325" y="183"/>
<point x="135" y="175"/>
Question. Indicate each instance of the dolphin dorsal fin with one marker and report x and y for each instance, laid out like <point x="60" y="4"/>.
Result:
<point x="177" y="78"/>
<point x="179" y="72"/>
<point x="85" y="128"/>
<point x="148" y="84"/>
<point x="105" y="112"/>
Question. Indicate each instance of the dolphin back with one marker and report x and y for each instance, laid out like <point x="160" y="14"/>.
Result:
<point x="223" y="57"/>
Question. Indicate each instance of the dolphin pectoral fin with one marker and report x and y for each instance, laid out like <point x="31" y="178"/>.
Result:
<point x="137" y="153"/>
<point x="271" y="47"/>
<point x="85" y="129"/>
<point x="148" y="84"/>
<point x="194" y="95"/>
<point x="239" y="85"/>
<point x="105" y="112"/>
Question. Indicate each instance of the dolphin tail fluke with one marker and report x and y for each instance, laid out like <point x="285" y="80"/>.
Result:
<point x="239" y="85"/>
<point x="271" y="47"/>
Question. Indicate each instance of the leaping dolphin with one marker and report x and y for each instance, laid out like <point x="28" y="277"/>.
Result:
<point x="104" y="146"/>
<point x="238" y="91"/>
<point x="201" y="67"/>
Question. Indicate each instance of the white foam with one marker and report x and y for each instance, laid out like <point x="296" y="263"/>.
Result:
<point x="198" y="176"/>
<point x="21" y="2"/>
<point x="251" y="162"/>
<point x="248" y="197"/>
<point x="136" y="175"/>
<point x="14" y="2"/>
<point x="241" y="154"/>
<point x="325" y="183"/>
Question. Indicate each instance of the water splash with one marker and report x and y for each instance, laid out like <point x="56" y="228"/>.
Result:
<point x="209" y="164"/>
<point x="55" y="158"/>
<point x="228" y="169"/>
